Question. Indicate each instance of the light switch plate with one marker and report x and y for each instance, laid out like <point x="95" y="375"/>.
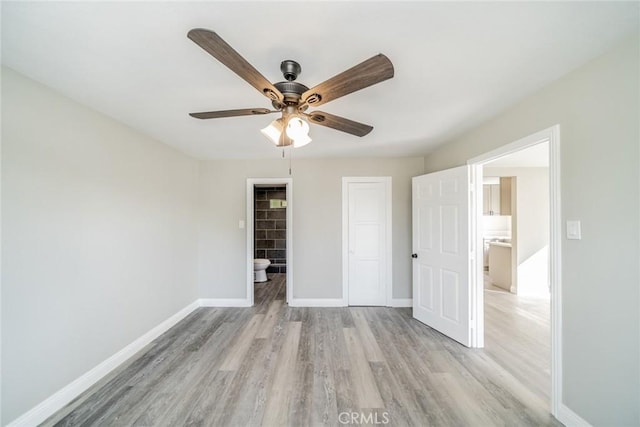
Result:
<point x="573" y="230"/>
<point x="241" y="223"/>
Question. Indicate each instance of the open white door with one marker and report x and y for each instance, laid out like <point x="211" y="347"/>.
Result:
<point x="441" y="286"/>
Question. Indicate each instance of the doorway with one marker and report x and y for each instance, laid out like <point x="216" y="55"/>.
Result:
<point x="515" y="223"/>
<point x="281" y="218"/>
<point x="520" y="272"/>
<point x="450" y="203"/>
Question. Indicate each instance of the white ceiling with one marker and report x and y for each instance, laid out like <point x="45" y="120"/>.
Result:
<point x="456" y="63"/>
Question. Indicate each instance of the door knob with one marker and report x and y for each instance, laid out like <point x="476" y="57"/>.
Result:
<point x="414" y="255"/>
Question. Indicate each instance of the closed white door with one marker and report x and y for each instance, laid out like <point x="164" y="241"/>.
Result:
<point x="367" y="246"/>
<point x="441" y="286"/>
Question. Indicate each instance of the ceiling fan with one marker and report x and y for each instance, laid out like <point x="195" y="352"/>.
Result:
<point x="290" y="98"/>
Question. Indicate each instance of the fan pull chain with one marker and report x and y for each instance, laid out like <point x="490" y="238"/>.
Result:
<point x="290" y="156"/>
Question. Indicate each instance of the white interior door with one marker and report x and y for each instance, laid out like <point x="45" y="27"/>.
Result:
<point x="441" y="286"/>
<point x="367" y="247"/>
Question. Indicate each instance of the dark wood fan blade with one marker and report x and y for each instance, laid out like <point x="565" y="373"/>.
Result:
<point x="339" y="123"/>
<point x="231" y="113"/>
<point x="219" y="49"/>
<point x="372" y="71"/>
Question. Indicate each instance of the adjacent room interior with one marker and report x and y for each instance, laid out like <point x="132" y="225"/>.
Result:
<point x="516" y="232"/>
<point x="270" y="242"/>
<point x="173" y="256"/>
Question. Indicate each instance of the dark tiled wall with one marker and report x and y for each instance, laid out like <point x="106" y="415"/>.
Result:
<point x="270" y="228"/>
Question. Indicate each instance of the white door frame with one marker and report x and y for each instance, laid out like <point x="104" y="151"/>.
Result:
<point x="288" y="183"/>
<point x="552" y="136"/>
<point x="345" y="235"/>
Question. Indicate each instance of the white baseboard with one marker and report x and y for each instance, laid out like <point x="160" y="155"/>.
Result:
<point x="317" y="302"/>
<point x="66" y="394"/>
<point x="570" y="419"/>
<point x="402" y="302"/>
<point x="224" y="302"/>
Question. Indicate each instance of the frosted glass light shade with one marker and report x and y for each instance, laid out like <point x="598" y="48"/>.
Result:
<point x="298" y="131"/>
<point x="273" y="131"/>
<point x="297" y="127"/>
<point x="301" y="141"/>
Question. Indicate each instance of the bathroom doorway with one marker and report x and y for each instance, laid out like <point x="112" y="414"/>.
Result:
<point x="269" y="237"/>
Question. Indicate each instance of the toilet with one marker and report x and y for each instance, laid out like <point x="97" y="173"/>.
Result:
<point x="260" y="269"/>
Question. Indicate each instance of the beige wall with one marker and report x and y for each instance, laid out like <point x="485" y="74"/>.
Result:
<point x="99" y="239"/>
<point x="317" y="222"/>
<point x="597" y="107"/>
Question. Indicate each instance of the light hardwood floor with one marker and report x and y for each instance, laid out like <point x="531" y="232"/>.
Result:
<point x="277" y="365"/>
<point x="517" y="336"/>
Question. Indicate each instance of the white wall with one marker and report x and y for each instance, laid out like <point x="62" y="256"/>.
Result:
<point x="597" y="107"/>
<point x="317" y="222"/>
<point x="494" y="226"/>
<point x="99" y="239"/>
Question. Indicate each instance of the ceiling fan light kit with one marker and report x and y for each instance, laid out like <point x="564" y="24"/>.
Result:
<point x="273" y="132"/>
<point x="298" y="130"/>
<point x="291" y="98"/>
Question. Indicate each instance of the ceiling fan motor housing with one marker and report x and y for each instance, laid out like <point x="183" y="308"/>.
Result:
<point x="290" y="70"/>
<point x="292" y="91"/>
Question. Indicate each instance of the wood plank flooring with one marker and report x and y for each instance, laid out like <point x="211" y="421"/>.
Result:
<point x="517" y="336"/>
<point x="274" y="365"/>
